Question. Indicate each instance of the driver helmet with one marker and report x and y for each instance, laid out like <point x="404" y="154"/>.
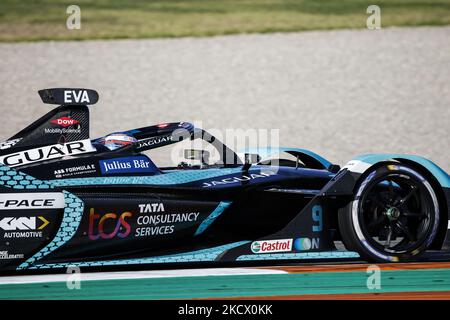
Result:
<point x="115" y="141"/>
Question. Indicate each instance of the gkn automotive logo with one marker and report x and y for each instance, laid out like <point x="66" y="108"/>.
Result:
<point x="23" y="227"/>
<point x="23" y="223"/>
<point x="270" y="246"/>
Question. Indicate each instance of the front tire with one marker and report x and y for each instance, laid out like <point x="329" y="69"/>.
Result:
<point x="393" y="217"/>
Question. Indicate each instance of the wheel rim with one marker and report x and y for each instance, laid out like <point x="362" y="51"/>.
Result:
<point x="396" y="213"/>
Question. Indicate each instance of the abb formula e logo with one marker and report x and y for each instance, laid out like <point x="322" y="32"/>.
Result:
<point x="38" y="200"/>
<point x="65" y="122"/>
<point x="47" y="153"/>
<point x="270" y="246"/>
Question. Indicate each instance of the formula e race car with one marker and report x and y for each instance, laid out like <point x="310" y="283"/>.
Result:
<point x="67" y="200"/>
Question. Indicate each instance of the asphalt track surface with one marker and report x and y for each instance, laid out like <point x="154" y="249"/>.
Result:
<point x="333" y="281"/>
<point x="339" y="93"/>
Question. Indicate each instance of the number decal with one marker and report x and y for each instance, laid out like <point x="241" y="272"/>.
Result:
<point x="317" y="217"/>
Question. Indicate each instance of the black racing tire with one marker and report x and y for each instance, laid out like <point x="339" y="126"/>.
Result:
<point x="393" y="217"/>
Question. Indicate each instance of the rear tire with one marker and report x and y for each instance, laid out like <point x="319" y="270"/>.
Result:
<point x="393" y="217"/>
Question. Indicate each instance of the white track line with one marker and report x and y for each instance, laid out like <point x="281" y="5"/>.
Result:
<point x="137" y="275"/>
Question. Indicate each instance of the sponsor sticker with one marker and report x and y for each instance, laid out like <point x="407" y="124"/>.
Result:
<point x="150" y="219"/>
<point x="74" y="171"/>
<point x="5" y="255"/>
<point x="65" y="122"/>
<point x="8" y="144"/>
<point x="62" y="130"/>
<point x="23" y="223"/>
<point x="306" y="244"/>
<point x="76" y="96"/>
<point x="98" y="225"/>
<point x="237" y="179"/>
<point x="139" y="164"/>
<point x="156" y="222"/>
<point x="47" y="153"/>
<point x="23" y="227"/>
<point x="24" y="201"/>
<point x="270" y="246"/>
<point x="155" y="141"/>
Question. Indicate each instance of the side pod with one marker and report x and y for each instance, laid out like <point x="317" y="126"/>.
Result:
<point x="310" y="231"/>
<point x="36" y="218"/>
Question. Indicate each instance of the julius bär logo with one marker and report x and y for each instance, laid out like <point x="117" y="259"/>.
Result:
<point x="109" y="225"/>
<point x="135" y="164"/>
<point x="65" y="122"/>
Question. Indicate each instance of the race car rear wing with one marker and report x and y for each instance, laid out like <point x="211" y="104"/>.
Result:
<point x="66" y="123"/>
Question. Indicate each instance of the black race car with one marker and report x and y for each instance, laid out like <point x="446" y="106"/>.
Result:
<point x="67" y="200"/>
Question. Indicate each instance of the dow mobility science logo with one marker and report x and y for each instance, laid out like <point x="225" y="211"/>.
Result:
<point x="139" y="164"/>
<point x="65" y="122"/>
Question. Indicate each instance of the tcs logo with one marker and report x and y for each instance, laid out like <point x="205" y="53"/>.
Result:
<point x="109" y="225"/>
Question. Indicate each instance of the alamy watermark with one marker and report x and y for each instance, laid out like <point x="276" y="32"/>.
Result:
<point x="373" y="22"/>
<point x="374" y="277"/>
<point x="73" y="21"/>
<point x="73" y="281"/>
<point x="226" y="143"/>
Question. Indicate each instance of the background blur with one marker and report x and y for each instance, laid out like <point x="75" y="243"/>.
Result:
<point x="242" y="64"/>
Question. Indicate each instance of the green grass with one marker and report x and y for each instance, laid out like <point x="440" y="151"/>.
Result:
<point x="30" y="20"/>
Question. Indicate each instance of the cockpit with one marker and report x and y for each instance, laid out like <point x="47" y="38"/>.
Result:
<point x="171" y="146"/>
